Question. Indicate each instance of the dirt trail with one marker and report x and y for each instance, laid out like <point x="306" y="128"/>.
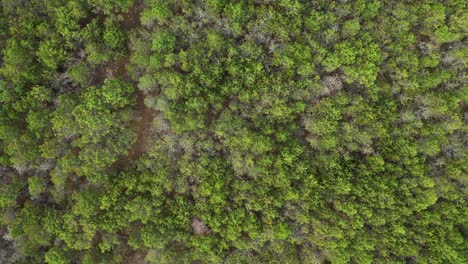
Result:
<point x="143" y="115"/>
<point x="143" y="122"/>
<point x="131" y="19"/>
<point x="142" y="126"/>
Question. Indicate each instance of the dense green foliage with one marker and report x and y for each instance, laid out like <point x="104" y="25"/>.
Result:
<point x="234" y="131"/>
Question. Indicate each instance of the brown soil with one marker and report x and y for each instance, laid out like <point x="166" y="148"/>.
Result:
<point x="144" y="116"/>
<point x="135" y="257"/>
<point x="118" y="69"/>
<point x="142" y="126"/>
<point x="131" y="19"/>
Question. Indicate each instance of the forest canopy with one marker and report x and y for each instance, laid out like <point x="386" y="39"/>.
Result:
<point x="233" y="131"/>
